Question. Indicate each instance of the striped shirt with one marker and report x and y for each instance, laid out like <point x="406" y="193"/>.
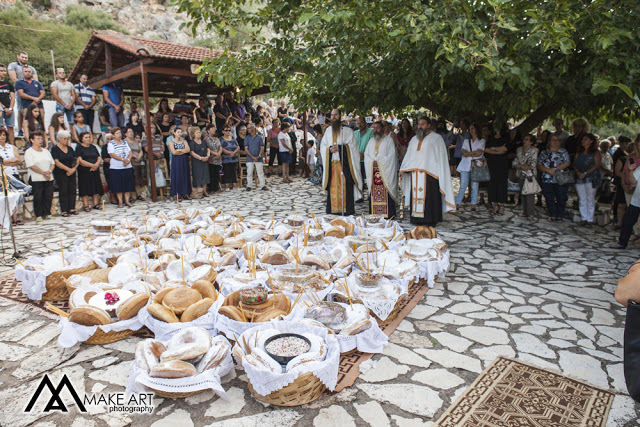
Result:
<point x="85" y="94"/>
<point x="121" y="150"/>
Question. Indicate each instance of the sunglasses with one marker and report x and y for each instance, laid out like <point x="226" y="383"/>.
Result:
<point x="227" y="130"/>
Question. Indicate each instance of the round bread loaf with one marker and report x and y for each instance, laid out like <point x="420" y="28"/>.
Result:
<point x="88" y="315"/>
<point x="196" y="310"/>
<point x="132" y="306"/>
<point x="180" y="299"/>
<point x="161" y="312"/>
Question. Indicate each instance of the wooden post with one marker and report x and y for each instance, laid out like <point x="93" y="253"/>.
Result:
<point x="107" y="60"/>
<point x="147" y="130"/>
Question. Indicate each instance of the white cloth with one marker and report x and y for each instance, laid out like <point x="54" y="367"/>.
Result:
<point x="345" y="137"/>
<point x="72" y="333"/>
<point x="429" y="157"/>
<point x="387" y="159"/>
<point x="465" y="162"/>
<point x="265" y="382"/>
<point x="381" y="306"/>
<point x="259" y="167"/>
<point x="34" y="283"/>
<point x="211" y="379"/>
<point x="14" y="199"/>
<point x="42" y="159"/>
<point x="163" y="331"/>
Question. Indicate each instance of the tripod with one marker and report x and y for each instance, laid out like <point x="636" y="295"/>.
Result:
<point x="5" y="186"/>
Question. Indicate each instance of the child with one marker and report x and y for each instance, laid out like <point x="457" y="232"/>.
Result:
<point x="311" y="157"/>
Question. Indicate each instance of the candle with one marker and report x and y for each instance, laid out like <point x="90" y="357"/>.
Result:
<point x="18" y="261"/>
<point x="367" y="259"/>
<point x="103" y="211"/>
<point x="62" y="251"/>
<point x="182" y="260"/>
<point x="178" y="201"/>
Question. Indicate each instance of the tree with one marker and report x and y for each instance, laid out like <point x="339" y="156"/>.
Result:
<point x="497" y="58"/>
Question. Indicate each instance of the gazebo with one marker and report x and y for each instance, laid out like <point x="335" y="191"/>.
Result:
<point x="146" y="68"/>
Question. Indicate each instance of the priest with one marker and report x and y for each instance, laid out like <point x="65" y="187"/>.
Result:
<point x="426" y="179"/>
<point x="381" y="166"/>
<point x="341" y="167"/>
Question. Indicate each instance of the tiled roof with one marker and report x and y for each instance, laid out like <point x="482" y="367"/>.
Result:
<point x="155" y="49"/>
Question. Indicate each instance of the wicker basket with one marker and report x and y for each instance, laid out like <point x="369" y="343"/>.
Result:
<point x="390" y="318"/>
<point x="99" y="275"/>
<point x="57" y="286"/>
<point x="306" y="388"/>
<point x="101" y="337"/>
<point x="170" y="395"/>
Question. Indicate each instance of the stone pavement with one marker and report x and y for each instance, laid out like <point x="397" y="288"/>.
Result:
<point x="540" y="292"/>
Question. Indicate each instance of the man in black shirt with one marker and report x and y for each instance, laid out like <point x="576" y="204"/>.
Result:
<point x="7" y="100"/>
<point x="221" y="113"/>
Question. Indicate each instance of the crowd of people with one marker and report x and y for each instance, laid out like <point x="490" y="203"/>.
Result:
<point x="202" y="141"/>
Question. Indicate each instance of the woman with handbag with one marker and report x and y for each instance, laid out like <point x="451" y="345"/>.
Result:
<point x="472" y="149"/>
<point x="525" y="165"/>
<point x="587" y="168"/>
<point x="552" y="164"/>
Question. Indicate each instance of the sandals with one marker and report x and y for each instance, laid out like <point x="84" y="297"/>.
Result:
<point x="501" y="210"/>
<point x="17" y="222"/>
<point x="74" y="212"/>
<point x="65" y="214"/>
<point x="617" y="246"/>
<point x="97" y="207"/>
<point x="140" y="198"/>
<point x="128" y="204"/>
<point x="87" y="208"/>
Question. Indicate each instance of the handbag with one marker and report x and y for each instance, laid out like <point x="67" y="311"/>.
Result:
<point x="479" y="169"/>
<point x="530" y="186"/>
<point x="632" y="350"/>
<point x="565" y="177"/>
<point x="160" y="180"/>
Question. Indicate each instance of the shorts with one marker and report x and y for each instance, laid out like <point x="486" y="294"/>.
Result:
<point x="285" y="157"/>
<point x="6" y="120"/>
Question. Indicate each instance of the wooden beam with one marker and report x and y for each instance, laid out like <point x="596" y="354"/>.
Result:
<point x="170" y="71"/>
<point x="101" y="46"/>
<point x="107" y="60"/>
<point x="117" y="74"/>
<point x="147" y="129"/>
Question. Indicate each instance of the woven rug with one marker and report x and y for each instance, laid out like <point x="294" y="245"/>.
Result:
<point x="512" y="393"/>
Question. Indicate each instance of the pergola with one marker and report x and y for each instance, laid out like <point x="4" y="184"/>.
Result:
<point x="146" y="68"/>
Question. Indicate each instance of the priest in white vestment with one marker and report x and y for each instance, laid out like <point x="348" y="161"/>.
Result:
<point x="381" y="166"/>
<point x="426" y="179"/>
<point x="341" y="167"/>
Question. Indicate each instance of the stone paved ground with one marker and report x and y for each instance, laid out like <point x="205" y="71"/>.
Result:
<point x="540" y="292"/>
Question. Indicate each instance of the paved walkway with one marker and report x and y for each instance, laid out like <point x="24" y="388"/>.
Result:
<point x="540" y="292"/>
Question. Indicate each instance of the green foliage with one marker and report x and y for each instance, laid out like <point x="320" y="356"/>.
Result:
<point x="83" y="17"/>
<point x="501" y="59"/>
<point x="38" y="38"/>
<point x="616" y="129"/>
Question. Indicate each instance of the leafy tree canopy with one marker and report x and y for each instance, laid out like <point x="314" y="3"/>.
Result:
<point x="496" y="58"/>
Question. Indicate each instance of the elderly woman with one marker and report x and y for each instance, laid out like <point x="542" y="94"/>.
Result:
<point x="120" y="168"/>
<point x="89" y="182"/>
<point x="587" y="168"/>
<point x="40" y="167"/>
<point x="525" y="165"/>
<point x="67" y="161"/>
<point x="199" y="163"/>
<point x="551" y="161"/>
<point x="230" y="151"/>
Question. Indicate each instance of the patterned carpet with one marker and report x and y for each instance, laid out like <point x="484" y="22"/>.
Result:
<point x="511" y="393"/>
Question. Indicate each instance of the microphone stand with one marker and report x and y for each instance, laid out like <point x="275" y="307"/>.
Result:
<point x="5" y="184"/>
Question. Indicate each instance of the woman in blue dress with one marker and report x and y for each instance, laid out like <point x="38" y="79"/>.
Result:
<point x="180" y="172"/>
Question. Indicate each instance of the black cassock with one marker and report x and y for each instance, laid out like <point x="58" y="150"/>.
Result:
<point x="349" y="201"/>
